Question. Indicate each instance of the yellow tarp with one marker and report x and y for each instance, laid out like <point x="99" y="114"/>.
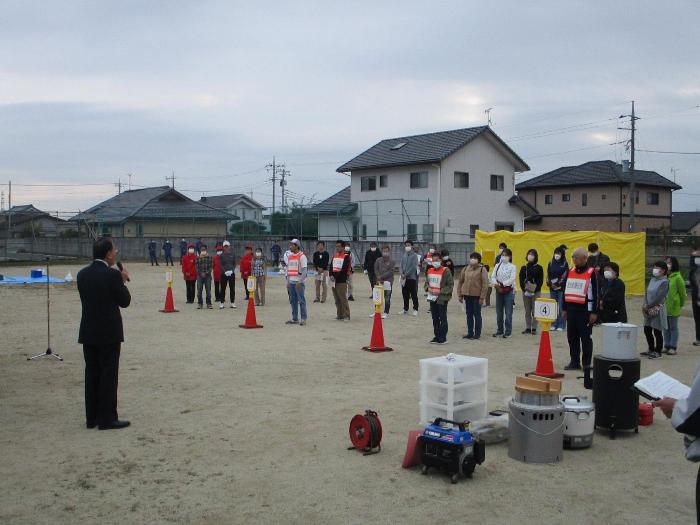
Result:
<point x="626" y="249"/>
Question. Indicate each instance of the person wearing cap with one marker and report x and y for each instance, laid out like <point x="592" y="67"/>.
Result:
<point x="216" y="274"/>
<point x="338" y="276"/>
<point x="371" y="257"/>
<point x="183" y="249"/>
<point x="228" y="278"/>
<point x="204" y="268"/>
<point x="246" y="268"/>
<point x="168" y="253"/>
<point x="189" y="272"/>
<point x="296" y="264"/>
<point x="152" y="252"/>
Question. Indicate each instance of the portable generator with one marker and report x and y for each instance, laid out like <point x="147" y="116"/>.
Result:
<point x="451" y="450"/>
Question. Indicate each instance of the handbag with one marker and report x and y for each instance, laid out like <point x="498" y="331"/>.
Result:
<point x="651" y="311"/>
<point x="500" y="289"/>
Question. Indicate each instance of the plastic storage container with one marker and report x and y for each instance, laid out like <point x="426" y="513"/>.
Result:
<point x="619" y="341"/>
<point x="453" y="387"/>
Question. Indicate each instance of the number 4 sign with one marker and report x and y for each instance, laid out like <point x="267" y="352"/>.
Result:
<point x="546" y="310"/>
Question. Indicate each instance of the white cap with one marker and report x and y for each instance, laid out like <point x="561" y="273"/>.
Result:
<point x="226" y="243"/>
<point x="295" y="241"/>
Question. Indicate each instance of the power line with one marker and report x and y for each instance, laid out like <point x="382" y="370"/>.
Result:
<point x="671" y="152"/>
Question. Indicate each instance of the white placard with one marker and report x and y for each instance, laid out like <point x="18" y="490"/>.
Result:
<point x="251" y="284"/>
<point x="546" y="309"/>
<point x="168" y="277"/>
<point x="378" y="295"/>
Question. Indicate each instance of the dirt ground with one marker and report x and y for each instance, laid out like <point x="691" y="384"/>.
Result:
<point x="250" y="426"/>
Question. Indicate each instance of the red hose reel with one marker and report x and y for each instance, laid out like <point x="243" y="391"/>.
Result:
<point x="366" y="433"/>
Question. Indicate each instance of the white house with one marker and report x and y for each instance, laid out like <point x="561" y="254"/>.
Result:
<point x="239" y="204"/>
<point x="438" y="187"/>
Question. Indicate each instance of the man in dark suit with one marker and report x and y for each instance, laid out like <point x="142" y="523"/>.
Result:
<point x="102" y="293"/>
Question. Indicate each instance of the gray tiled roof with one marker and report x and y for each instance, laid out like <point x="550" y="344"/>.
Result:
<point x="160" y="202"/>
<point x="224" y="201"/>
<point x="594" y="173"/>
<point x="338" y="203"/>
<point x="683" y="221"/>
<point x="422" y="149"/>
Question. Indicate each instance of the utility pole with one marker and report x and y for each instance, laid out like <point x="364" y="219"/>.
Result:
<point x="632" y="196"/>
<point x="119" y="186"/>
<point x="275" y="169"/>
<point x="129" y="181"/>
<point x="9" y="218"/>
<point x="172" y="180"/>
<point x="283" y="174"/>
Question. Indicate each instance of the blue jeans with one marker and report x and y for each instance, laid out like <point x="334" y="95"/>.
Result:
<point x="206" y="284"/>
<point x="504" y="303"/>
<point x="297" y="300"/>
<point x="559" y="296"/>
<point x="387" y="301"/>
<point x="473" y="315"/>
<point x="439" y="314"/>
<point x="671" y="335"/>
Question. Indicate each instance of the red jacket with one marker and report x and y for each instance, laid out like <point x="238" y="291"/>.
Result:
<point x="217" y="268"/>
<point x="246" y="266"/>
<point x="189" y="270"/>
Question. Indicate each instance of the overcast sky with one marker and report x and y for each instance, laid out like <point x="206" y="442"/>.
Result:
<point x="91" y="91"/>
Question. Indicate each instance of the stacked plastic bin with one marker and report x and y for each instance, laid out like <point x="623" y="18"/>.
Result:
<point x="453" y="387"/>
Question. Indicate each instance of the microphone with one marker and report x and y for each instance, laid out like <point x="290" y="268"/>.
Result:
<point x="121" y="269"/>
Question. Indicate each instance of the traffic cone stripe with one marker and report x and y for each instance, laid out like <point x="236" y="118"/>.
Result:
<point x="169" y="304"/>
<point x="250" y="320"/>
<point x="376" y="343"/>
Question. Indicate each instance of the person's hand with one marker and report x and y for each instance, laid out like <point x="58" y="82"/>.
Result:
<point x="481" y="302"/>
<point x="563" y="315"/>
<point x="666" y="405"/>
<point x="592" y="318"/>
<point x="461" y="299"/>
<point x="125" y="275"/>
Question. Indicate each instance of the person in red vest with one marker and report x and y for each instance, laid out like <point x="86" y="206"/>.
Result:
<point x="439" y="283"/>
<point x="246" y="266"/>
<point x="217" y="275"/>
<point x="189" y="272"/>
<point x="580" y="310"/>
<point x="297" y="266"/>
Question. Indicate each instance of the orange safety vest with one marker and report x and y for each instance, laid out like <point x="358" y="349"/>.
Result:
<point x="337" y="263"/>
<point x="577" y="285"/>
<point x="293" y="264"/>
<point x="435" y="279"/>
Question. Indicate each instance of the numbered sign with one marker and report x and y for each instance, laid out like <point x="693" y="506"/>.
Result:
<point x="546" y="309"/>
<point x="378" y="295"/>
<point x="168" y="277"/>
<point x="251" y="283"/>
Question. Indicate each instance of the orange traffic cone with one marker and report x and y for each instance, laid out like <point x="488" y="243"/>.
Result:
<point x="169" y="305"/>
<point x="376" y="343"/>
<point x="545" y="363"/>
<point x="250" y="320"/>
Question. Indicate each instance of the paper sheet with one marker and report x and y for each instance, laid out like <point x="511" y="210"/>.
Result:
<point x="387" y="285"/>
<point x="659" y="385"/>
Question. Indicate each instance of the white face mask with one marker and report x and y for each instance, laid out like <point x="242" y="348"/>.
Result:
<point x="385" y="254"/>
<point x="473" y="262"/>
<point x="505" y="258"/>
<point x="191" y="250"/>
<point x="531" y="258"/>
<point x="258" y="254"/>
<point x="657" y="272"/>
<point x="408" y="248"/>
<point x="557" y="257"/>
<point x="609" y="275"/>
<point x="668" y="265"/>
<point x="594" y="254"/>
<point x="446" y="258"/>
<point x="432" y="250"/>
<point x="437" y="264"/>
<point x="347" y="249"/>
<point x="373" y="248"/>
<point x="203" y="252"/>
<point x="219" y="252"/>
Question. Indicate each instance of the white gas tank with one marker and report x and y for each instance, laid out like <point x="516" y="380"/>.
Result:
<point x="619" y="341"/>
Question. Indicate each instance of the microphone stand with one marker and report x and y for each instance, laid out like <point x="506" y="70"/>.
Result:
<point x="49" y="352"/>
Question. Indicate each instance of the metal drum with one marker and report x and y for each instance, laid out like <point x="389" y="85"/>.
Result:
<point x="579" y="422"/>
<point x="536" y="428"/>
<point x="619" y="341"/>
<point x="615" y="399"/>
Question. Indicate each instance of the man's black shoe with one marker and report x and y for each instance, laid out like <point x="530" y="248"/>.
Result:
<point x="90" y="424"/>
<point x="572" y="366"/>
<point x="351" y="298"/>
<point x="116" y="424"/>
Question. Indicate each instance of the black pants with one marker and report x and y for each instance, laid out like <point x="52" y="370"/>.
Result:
<point x="439" y="313"/>
<point x="246" y="293"/>
<point x="697" y="497"/>
<point x="101" y="379"/>
<point x="696" y="315"/>
<point x="410" y="289"/>
<point x="372" y="281"/>
<point x="579" y="334"/>
<point x="190" y="285"/>
<point x="169" y="259"/>
<point x="230" y="281"/>
<point x="154" y="260"/>
<point x="218" y="296"/>
<point x="651" y="334"/>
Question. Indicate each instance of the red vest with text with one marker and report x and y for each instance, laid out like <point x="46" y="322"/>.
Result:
<point x="435" y="279"/>
<point x="577" y="285"/>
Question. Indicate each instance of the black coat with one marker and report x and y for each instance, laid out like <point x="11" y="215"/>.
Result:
<point x="102" y="293"/>
<point x="531" y="272"/>
<point x="613" y="308"/>
<point x="371" y="258"/>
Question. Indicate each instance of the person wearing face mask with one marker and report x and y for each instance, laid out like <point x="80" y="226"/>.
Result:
<point x="246" y="268"/>
<point x="427" y="260"/>
<point x="338" y="276"/>
<point x="371" y="256"/>
<point x="183" y="250"/>
<point x="654" y="310"/>
<point x="168" y="252"/>
<point x="597" y="259"/>
<point x="502" y="246"/>
<point x="321" y="259"/>
<point x="216" y="274"/>
<point x="447" y="262"/>
<point x="260" y="274"/>
<point x="531" y="279"/>
<point x="472" y="287"/>
<point x="503" y="280"/>
<point x="204" y="268"/>
<point x="674" y="304"/>
<point x="228" y="278"/>
<point x="439" y="284"/>
<point x="612" y="296"/>
<point x="152" y="252"/>
<point x="189" y="272"/>
<point x="557" y="270"/>
<point x="296" y="264"/>
<point x="694" y="278"/>
<point x="408" y="267"/>
<point x="384" y="271"/>
<point x="580" y="310"/>
<point x="348" y="251"/>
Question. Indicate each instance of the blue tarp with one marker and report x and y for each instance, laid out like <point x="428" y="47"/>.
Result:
<point x="10" y="279"/>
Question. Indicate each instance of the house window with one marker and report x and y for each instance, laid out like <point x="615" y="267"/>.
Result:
<point x="383" y="181"/>
<point x="419" y="179"/>
<point x="497" y="182"/>
<point x="368" y="183"/>
<point x="508" y="226"/>
<point x="412" y="231"/>
<point x="428" y="233"/>
<point x="584" y="199"/>
<point x="566" y="197"/>
<point x="472" y="230"/>
<point x="603" y="196"/>
<point x="364" y="232"/>
<point x="461" y="179"/>
<point x="652" y="198"/>
<point x="139" y="230"/>
<point x="382" y="233"/>
<point x="548" y="199"/>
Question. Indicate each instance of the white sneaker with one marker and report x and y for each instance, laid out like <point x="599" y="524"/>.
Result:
<point x="385" y="316"/>
<point x="415" y="313"/>
<point x="221" y="306"/>
<point x="405" y="312"/>
<point x="233" y="305"/>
